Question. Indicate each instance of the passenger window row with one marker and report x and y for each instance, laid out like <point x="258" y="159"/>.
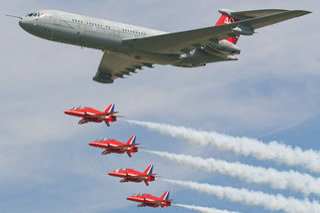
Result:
<point x="78" y="21"/>
<point x="90" y="23"/>
<point x="132" y="31"/>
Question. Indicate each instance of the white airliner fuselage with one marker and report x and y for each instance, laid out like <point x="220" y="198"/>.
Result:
<point x="91" y="32"/>
<point x="128" y="48"/>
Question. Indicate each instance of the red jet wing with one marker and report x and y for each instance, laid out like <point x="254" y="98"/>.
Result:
<point x="152" y="201"/>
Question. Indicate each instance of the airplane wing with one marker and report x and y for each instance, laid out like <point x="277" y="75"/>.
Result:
<point x="123" y="147"/>
<point x="99" y="115"/>
<point x="181" y="42"/>
<point x="119" y="147"/>
<point x="153" y="201"/>
<point x="116" y="65"/>
<point x="138" y="176"/>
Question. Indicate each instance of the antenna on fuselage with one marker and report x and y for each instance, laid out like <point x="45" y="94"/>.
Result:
<point x="13" y="16"/>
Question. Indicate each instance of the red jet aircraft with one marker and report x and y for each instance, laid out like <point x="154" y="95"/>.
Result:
<point x="89" y="114"/>
<point x="113" y="146"/>
<point x="134" y="176"/>
<point x="149" y="200"/>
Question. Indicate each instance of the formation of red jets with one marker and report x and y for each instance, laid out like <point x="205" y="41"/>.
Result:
<point x="109" y="146"/>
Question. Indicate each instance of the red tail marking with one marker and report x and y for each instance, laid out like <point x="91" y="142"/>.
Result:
<point x="224" y="19"/>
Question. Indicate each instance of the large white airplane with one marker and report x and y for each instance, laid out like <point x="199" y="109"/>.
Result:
<point x="127" y="47"/>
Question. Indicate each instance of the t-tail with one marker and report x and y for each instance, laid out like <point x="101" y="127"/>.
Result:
<point x="226" y="18"/>
<point x="149" y="170"/>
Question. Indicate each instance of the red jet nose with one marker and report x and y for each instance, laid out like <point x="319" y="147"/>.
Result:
<point x="112" y="173"/>
<point x="130" y="198"/>
<point x="67" y="112"/>
<point x="91" y="144"/>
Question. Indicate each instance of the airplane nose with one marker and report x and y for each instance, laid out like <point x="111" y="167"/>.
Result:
<point x="25" y="24"/>
<point x="67" y="112"/>
<point x="130" y="198"/>
<point x="21" y="23"/>
<point x="112" y="173"/>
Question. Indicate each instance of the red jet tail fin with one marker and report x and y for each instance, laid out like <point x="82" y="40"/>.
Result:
<point x="132" y="140"/>
<point x="110" y="109"/>
<point x="149" y="170"/>
<point x="165" y="196"/>
<point x="226" y="19"/>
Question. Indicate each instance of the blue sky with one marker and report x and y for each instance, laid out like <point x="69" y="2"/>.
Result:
<point x="271" y="93"/>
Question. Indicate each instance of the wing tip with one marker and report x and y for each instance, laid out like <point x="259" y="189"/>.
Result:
<point x="303" y="12"/>
<point x="103" y="80"/>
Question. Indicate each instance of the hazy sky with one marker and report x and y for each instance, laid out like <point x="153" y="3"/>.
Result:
<point x="271" y="93"/>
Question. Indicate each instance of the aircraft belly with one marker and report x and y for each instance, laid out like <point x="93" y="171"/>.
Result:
<point x="76" y="34"/>
<point x="103" y="40"/>
<point x="133" y="180"/>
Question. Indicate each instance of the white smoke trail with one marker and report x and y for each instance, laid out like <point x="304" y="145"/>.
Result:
<point x="203" y="209"/>
<point x="281" y="153"/>
<point x="253" y="198"/>
<point x="277" y="179"/>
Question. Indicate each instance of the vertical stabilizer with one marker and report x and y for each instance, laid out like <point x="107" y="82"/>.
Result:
<point x="226" y="18"/>
<point x="132" y="140"/>
<point x="110" y="109"/>
<point x="149" y="170"/>
<point x="165" y="196"/>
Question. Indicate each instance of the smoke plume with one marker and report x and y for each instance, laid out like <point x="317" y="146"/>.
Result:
<point x="203" y="209"/>
<point x="253" y="198"/>
<point x="275" y="151"/>
<point x="277" y="179"/>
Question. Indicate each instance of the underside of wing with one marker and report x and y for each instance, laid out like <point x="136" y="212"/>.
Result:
<point x="182" y="42"/>
<point x="120" y="148"/>
<point x="116" y="65"/>
<point x="101" y="115"/>
<point x="139" y="176"/>
<point x="153" y="201"/>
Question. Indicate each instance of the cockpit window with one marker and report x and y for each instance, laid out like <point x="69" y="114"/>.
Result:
<point x="139" y="194"/>
<point x="104" y="139"/>
<point x="36" y="14"/>
<point x="80" y="107"/>
<point x="122" y="169"/>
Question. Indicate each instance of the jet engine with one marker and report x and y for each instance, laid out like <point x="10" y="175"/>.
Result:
<point x="224" y="46"/>
<point x="222" y="50"/>
<point x="194" y="58"/>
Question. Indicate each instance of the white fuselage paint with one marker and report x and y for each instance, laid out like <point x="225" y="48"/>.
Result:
<point x="90" y="32"/>
<point x="104" y="35"/>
